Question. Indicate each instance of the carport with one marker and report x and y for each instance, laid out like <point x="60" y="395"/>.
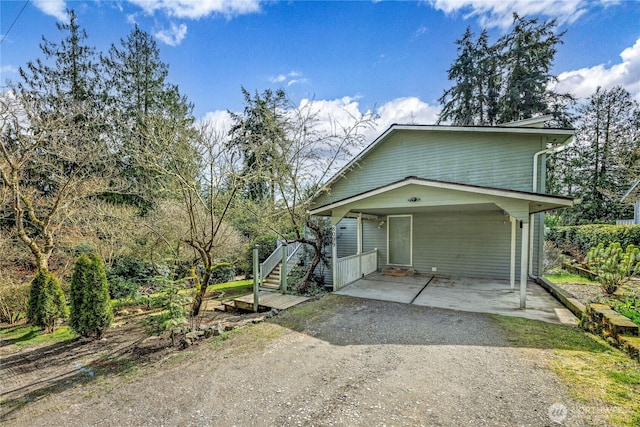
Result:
<point x="447" y="227"/>
<point x="461" y="293"/>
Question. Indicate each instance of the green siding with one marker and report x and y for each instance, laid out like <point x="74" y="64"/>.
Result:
<point x="483" y="158"/>
<point x="456" y="243"/>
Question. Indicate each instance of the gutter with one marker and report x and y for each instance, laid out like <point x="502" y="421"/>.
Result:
<point x="536" y="156"/>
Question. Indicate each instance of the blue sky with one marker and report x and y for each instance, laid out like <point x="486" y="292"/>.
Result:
<point x="390" y="57"/>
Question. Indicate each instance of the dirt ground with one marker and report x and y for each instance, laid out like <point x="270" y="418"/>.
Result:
<point x="334" y="361"/>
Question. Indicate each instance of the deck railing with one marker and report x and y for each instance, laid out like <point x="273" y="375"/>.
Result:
<point x="351" y="268"/>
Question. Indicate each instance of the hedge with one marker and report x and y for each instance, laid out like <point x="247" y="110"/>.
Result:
<point x="581" y="238"/>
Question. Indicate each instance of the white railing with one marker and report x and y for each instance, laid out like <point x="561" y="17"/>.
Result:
<point x="624" y="222"/>
<point x="351" y="268"/>
<point x="292" y="255"/>
<point x="270" y="264"/>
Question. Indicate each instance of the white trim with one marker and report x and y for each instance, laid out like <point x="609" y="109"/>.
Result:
<point x="410" y="240"/>
<point x="510" y="194"/>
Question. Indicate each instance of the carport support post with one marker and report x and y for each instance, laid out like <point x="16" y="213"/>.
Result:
<point x="334" y="256"/>
<point x="524" y="263"/>
<point x="359" y="238"/>
<point x="512" y="268"/>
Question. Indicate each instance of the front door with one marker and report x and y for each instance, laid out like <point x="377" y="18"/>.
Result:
<point x="399" y="241"/>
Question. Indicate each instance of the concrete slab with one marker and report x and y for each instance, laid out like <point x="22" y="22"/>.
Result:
<point x="464" y="294"/>
<point x="386" y="288"/>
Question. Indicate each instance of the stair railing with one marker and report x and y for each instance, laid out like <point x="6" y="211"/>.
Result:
<point x="270" y="264"/>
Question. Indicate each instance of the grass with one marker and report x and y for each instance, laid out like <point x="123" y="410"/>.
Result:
<point x="27" y="335"/>
<point x="564" y="276"/>
<point x="603" y="379"/>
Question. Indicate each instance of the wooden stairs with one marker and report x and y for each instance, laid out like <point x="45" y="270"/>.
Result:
<point x="273" y="280"/>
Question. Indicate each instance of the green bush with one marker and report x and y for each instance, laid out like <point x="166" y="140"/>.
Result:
<point x="630" y="308"/>
<point x="127" y="274"/>
<point x="578" y="240"/>
<point x="46" y="301"/>
<point x="222" y="273"/>
<point x="14" y="300"/>
<point x="91" y="312"/>
<point x="613" y="265"/>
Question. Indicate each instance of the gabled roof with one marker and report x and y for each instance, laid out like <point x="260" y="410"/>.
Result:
<point x="630" y="190"/>
<point x="522" y="127"/>
<point x="538" y="202"/>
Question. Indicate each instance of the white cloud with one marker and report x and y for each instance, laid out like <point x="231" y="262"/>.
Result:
<point x="492" y="13"/>
<point x="172" y="36"/>
<point x="406" y="111"/>
<point x="292" y="78"/>
<point x="335" y="115"/>
<point x="583" y="83"/>
<point x="196" y="9"/>
<point x="278" y="79"/>
<point x="8" y="69"/>
<point x="219" y="120"/>
<point x="55" y="8"/>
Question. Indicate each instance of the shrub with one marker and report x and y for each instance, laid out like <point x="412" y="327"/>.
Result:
<point x="14" y="301"/>
<point x="46" y="301"/>
<point x="91" y="312"/>
<point x="173" y="317"/>
<point x="630" y="308"/>
<point x="76" y="292"/>
<point x="127" y="274"/>
<point x="613" y="265"/>
<point x="222" y="273"/>
<point x="578" y="240"/>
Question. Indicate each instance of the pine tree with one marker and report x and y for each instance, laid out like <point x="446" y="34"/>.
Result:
<point x="257" y="133"/>
<point x="506" y="81"/>
<point x="527" y="57"/>
<point x="139" y="96"/>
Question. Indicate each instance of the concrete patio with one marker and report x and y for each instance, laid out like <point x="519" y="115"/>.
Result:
<point x="461" y="293"/>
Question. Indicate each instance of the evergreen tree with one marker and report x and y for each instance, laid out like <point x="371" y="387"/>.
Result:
<point x="76" y="293"/>
<point x="139" y="96"/>
<point x="527" y="57"/>
<point x="257" y="133"/>
<point x="37" y="284"/>
<point x="462" y="107"/>
<point x="506" y="81"/>
<point x="91" y="313"/>
<point x="46" y="301"/>
<point x="599" y="167"/>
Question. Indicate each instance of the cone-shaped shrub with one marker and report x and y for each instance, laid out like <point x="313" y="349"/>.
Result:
<point x="51" y="304"/>
<point x="91" y="309"/>
<point x="76" y="293"/>
<point x="33" y="314"/>
<point x="46" y="301"/>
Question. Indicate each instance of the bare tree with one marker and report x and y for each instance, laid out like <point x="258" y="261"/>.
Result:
<point x="202" y="177"/>
<point x="42" y="170"/>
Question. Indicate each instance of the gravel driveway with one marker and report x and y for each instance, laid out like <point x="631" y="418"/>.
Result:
<point x="335" y="361"/>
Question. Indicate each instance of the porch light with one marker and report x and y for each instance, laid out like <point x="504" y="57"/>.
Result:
<point x="413" y="199"/>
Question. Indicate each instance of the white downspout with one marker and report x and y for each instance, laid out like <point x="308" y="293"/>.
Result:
<point x="554" y="149"/>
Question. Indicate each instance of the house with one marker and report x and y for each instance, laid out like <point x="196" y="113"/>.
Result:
<point x="632" y="194"/>
<point x="446" y="200"/>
